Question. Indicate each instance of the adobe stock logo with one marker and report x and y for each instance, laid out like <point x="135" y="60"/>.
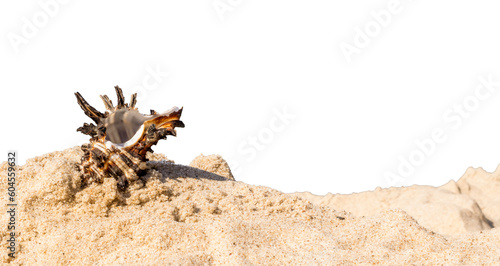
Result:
<point x="151" y="81"/>
<point x="363" y="36"/>
<point x="454" y="118"/>
<point x="224" y="6"/>
<point x="39" y="20"/>
<point x="259" y="142"/>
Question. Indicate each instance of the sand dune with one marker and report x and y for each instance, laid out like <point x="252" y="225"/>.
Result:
<point x="472" y="204"/>
<point x="188" y="215"/>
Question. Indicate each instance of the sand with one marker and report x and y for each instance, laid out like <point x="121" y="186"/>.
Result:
<point x="189" y="215"/>
<point x="470" y="205"/>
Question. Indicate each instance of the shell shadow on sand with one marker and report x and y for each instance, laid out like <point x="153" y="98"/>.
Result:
<point x="171" y="170"/>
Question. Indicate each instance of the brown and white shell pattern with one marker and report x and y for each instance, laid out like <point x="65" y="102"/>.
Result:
<point x="121" y="137"/>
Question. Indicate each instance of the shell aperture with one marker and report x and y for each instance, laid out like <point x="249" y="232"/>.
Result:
<point x="122" y="125"/>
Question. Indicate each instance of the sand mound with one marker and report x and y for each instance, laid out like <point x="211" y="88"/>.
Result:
<point x="469" y="205"/>
<point x="213" y="164"/>
<point x="482" y="187"/>
<point x="185" y="215"/>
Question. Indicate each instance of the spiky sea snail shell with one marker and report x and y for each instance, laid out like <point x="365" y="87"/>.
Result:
<point x="121" y="138"/>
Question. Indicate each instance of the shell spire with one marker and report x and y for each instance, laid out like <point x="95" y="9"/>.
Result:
<point x="121" y="138"/>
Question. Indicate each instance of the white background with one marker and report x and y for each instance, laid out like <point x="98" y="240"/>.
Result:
<point x="233" y="70"/>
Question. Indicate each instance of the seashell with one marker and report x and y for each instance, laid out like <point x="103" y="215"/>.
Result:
<point x="121" y="137"/>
